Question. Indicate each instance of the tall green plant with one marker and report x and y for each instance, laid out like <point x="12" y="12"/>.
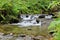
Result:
<point x="55" y="25"/>
<point x="14" y="7"/>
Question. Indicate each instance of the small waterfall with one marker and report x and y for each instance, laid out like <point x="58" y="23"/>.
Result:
<point x="32" y="20"/>
<point x="29" y="20"/>
<point x="26" y="17"/>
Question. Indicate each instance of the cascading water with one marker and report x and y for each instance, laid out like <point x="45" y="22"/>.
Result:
<point x="31" y="20"/>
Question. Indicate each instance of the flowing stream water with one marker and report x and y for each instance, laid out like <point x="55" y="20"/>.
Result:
<point x="30" y="20"/>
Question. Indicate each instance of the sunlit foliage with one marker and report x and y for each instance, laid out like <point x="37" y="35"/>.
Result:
<point x="55" y="26"/>
<point x="12" y="8"/>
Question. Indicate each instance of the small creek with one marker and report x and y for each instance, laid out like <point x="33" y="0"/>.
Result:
<point x="33" y="20"/>
<point x="42" y="21"/>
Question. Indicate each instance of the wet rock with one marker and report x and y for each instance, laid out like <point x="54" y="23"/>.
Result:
<point x="37" y="21"/>
<point x="27" y="16"/>
<point x="29" y="29"/>
<point x="35" y="39"/>
<point x="22" y="35"/>
<point x="41" y="16"/>
<point x="55" y="17"/>
<point x="51" y="14"/>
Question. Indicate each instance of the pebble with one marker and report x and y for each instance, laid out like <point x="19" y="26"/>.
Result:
<point x="11" y="34"/>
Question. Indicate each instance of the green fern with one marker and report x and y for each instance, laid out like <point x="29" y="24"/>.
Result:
<point x="55" y="25"/>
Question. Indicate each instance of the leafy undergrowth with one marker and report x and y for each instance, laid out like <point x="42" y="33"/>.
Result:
<point x="55" y="27"/>
<point x="10" y="9"/>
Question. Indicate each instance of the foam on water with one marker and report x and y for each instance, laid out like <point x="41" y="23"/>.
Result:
<point x="30" y="20"/>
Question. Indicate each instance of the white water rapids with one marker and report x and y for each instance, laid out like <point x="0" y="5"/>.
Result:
<point x="31" y="20"/>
